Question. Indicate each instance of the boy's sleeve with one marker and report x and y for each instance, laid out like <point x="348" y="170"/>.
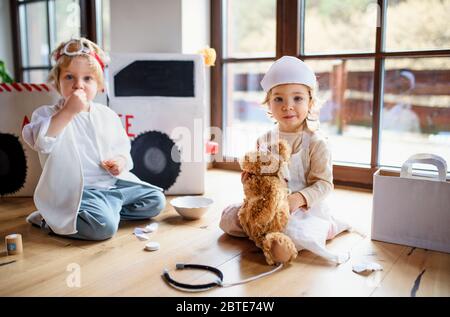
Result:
<point x="122" y="144"/>
<point x="34" y="132"/>
<point x="320" y="176"/>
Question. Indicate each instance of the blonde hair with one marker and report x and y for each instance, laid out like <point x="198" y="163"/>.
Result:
<point x="63" y="61"/>
<point x="312" y="119"/>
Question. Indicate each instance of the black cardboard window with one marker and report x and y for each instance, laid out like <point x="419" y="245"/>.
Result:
<point x="155" y="78"/>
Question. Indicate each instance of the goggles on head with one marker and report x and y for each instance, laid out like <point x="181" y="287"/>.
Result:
<point x="82" y="50"/>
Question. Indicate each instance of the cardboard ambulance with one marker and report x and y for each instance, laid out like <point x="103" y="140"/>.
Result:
<point x="19" y="164"/>
<point x="160" y="98"/>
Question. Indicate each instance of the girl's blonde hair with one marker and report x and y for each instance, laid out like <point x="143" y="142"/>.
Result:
<point x="312" y="119"/>
<point x="63" y="61"/>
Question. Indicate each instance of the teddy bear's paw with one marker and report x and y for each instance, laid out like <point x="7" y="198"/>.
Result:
<point x="278" y="248"/>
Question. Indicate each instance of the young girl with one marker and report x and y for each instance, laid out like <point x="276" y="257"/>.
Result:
<point x="85" y="188"/>
<point x="291" y="99"/>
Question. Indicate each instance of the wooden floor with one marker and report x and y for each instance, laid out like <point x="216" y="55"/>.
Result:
<point x="120" y="266"/>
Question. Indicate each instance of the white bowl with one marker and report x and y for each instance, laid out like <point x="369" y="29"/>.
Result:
<point x="191" y="207"/>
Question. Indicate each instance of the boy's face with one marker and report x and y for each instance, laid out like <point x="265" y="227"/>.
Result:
<point x="78" y="75"/>
<point x="289" y="104"/>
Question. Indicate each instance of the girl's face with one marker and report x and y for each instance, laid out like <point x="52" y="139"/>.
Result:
<point x="289" y="104"/>
<point x="78" y="75"/>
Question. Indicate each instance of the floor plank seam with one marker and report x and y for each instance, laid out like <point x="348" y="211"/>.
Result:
<point x="388" y="272"/>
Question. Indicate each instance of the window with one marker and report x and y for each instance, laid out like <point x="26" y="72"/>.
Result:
<point x="416" y="111"/>
<point x="383" y="69"/>
<point x="249" y="46"/>
<point x="40" y="25"/>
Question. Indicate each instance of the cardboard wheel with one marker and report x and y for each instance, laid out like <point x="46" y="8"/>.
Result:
<point x="156" y="159"/>
<point x="13" y="164"/>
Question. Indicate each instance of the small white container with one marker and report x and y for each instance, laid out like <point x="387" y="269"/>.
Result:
<point x="191" y="207"/>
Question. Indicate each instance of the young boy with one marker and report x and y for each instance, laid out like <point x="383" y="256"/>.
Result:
<point x="85" y="188"/>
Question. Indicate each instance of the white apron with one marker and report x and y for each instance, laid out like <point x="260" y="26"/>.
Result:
<point x="310" y="228"/>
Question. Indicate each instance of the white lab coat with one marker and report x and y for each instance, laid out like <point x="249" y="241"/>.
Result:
<point x="60" y="187"/>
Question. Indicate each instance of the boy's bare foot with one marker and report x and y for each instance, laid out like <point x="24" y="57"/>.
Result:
<point x="37" y="220"/>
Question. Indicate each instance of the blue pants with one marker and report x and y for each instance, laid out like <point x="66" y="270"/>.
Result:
<point x="102" y="209"/>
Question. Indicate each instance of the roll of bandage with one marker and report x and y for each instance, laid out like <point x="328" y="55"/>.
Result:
<point x="14" y="244"/>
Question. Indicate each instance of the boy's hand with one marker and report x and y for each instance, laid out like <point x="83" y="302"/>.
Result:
<point x="77" y="102"/>
<point x="296" y="200"/>
<point x="115" y="165"/>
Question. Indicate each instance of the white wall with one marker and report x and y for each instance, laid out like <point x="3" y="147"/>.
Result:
<point x="146" y="26"/>
<point x="6" y="50"/>
<point x="196" y="26"/>
<point x="169" y="26"/>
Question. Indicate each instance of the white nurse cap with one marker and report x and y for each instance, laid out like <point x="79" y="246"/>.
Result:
<point x="288" y="70"/>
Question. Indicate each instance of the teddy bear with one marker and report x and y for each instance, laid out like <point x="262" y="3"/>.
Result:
<point x="265" y="211"/>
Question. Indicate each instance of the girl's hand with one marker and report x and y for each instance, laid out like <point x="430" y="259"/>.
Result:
<point x="115" y="165"/>
<point x="296" y="200"/>
<point x="244" y="176"/>
<point x="76" y="102"/>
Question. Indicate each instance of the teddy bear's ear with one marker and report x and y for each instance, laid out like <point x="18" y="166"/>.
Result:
<point x="250" y="162"/>
<point x="284" y="149"/>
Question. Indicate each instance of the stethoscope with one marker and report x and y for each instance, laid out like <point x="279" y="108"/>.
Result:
<point x="203" y="287"/>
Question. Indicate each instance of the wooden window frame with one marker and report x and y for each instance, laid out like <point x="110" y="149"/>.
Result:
<point x="289" y="41"/>
<point x="87" y="29"/>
